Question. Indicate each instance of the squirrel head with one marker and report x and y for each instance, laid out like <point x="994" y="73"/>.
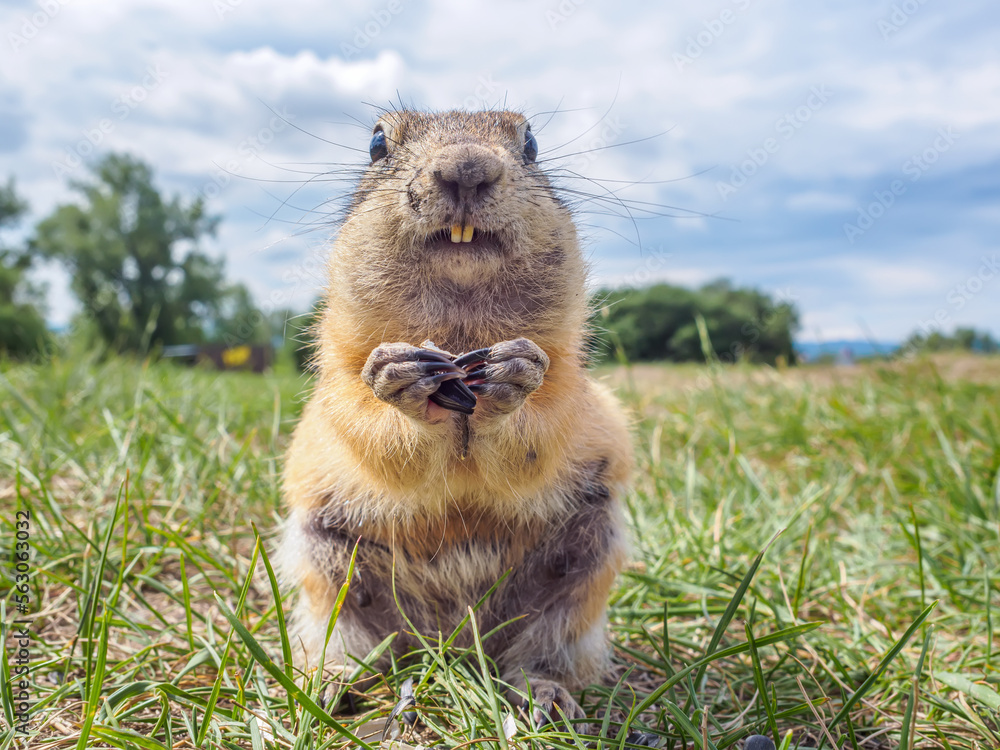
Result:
<point x="457" y="195"/>
<point x="455" y="233"/>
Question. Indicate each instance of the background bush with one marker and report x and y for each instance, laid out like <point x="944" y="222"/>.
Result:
<point x="659" y="322"/>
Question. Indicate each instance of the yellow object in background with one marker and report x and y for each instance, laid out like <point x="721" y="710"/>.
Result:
<point x="236" y="357"/>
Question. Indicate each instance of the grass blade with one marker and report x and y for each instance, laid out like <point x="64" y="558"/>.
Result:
<point x="879" y="670"/>
<point x="278" y="674"/>
<point x="334" y="616"/>
<point x="734" y="603"/>
<point x="488" y="681"/>
<point x="758" y="678"/>
<point x="681" y="721"/>
<point x="742" y="648"/>
<point x="127" y="739"/>
<point x="85" y="632"/>
<point x="286" y="646"/>
<point x="908" y="730"/>
<point x="985" y="695"/>
<point x="186" y="594"/>
<point x="97" y="681"/>
<point x="206" y="721"/>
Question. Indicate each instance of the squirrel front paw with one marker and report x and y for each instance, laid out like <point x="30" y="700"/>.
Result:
<point x="511" y="370"/>
<point x="407" y="376"/>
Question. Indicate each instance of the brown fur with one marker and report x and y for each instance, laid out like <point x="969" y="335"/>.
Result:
<point x="444" y="504"/>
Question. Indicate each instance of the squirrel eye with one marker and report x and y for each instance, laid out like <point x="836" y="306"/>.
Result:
<point x="530" y="147"/>
<point x="378" y="148"/>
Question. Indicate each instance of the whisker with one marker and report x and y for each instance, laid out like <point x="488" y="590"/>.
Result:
<point x="306" y="132"/>
<point x="608" y="146"/>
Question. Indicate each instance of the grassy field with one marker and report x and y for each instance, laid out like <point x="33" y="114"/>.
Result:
<point x="816" y="556"/>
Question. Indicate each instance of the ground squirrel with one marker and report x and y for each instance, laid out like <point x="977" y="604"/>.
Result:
<point x="455" y="235"/>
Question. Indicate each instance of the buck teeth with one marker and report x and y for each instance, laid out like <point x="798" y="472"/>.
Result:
<point x="462" y="233"/>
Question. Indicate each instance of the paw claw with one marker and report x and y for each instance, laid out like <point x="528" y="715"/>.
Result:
<point x="407" y="376"/>
<point x="540" y="718"/>
<point x="456" y="396"/>
<point x="474" y="358"/>
<point x="551" y="703"/>
<point x="426" y="355"/>
<point x="507" y="374"/>
<point x="433" y="368"/>
<point x="443" y="377"/>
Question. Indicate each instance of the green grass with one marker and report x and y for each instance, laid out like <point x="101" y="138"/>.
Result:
<point x="816" y="554"/>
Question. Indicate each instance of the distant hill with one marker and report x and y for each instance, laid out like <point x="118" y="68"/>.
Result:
<point x="813" y="350"/>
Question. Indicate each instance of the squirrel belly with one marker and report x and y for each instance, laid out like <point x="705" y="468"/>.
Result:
<point x="442" y="505"/>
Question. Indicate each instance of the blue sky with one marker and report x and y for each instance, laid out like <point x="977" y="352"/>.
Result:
<point x="843" y="155"/>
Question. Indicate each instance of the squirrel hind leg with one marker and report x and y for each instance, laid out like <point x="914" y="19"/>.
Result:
<point x="546" y="701"/>
<point x="573" y="665"/>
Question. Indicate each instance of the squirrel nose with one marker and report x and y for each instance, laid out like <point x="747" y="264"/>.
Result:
<point x="466" y="175"/>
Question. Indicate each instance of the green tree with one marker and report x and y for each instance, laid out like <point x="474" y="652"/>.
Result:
<point x="22" y="326"/>
<point x="239" y="321"/>
<point x="659" y="322"/>
<point x="962" y="339"/>
<point x="134" y="260"/>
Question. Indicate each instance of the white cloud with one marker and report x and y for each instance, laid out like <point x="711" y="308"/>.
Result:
<point x="615" y="69"/>
<point x="818" y="200"/>
<point x="887" y="280"/>
<point x="651" y="273"/>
